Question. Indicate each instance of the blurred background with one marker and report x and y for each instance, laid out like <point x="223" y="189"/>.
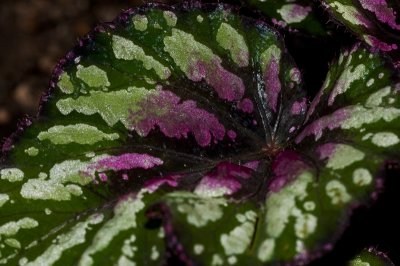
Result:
<point x="34" y="35"/>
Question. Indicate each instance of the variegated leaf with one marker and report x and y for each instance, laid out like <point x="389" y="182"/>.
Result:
<point x="182" y="134"/>
<point x="374" y="21"/>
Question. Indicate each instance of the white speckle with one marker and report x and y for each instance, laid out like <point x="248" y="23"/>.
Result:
<point x="361" y="115"/>
<point x="309" y="205"/>
<point x="343" y="156"/>
<point x="161" y="233"/>
<point x="305" y="225"/>
<point x="266" y="250"/>
<point x="198" y="249"/>
<point x="78" y="133"/>
<point x="232" y="260"/>
<point x="66" y="241"/>
<point x="3" y="199"/>
<point x="367" y="136"/>
<point x="239" y="238"/>
<point x="376" y="99"/>
<point x="154" y="253"/>
<point x="12" y="228"/>
<point x="124" y="219"/>
<point x="385" y="139"/>
<point x="23" y="261"/>
<point x="47" y="211"/>
<point x="370" y="82"/>
<point x="230" y="39"/>
<point x="12" y="174"/>
<point x="200" y="211"/>
<point x="337" y="192"/>
<point x="362" y="177"/>
<point x="32" y="151"/>
<point x="12" y="242"/>
<point x="381" y="75"/>
<point x="93" y="76"/>
<point x="217" y="260"/>
<point x="300" y="246"/>
<point x="127" y="50"/>
<point x="293" y="13"/>
<point x="348" y="76"/>
<point x="42" y="175"/>
<point x="241" y="218"/>
<point x="124" y="261"/>
<point x="54" y="189"/>
<point x="90" y="154"/>
<point x="280" y="205"/>
<point x="170" y="18"/>
<point x="200" y="18"/>
<point x="140" y="22"/>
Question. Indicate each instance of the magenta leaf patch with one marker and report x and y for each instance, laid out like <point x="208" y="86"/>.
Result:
<point x="376" y="22"/>
<point x="183" y="134"/>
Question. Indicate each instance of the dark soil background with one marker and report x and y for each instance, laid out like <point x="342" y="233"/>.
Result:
<point x="35" y="34"/>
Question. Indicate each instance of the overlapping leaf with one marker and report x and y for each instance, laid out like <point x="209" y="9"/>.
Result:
<point x="179" y="133"/>
<point x="371" y="256"/>
<point x="375" y="22"/>
<point x="295" y="15"/>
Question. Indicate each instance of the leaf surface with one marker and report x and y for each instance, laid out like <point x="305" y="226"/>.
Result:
<point x="182" y="133"/>
<point x="374" y="22"/>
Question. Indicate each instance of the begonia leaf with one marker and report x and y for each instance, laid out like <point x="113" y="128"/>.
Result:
<point x="182" y="133"/>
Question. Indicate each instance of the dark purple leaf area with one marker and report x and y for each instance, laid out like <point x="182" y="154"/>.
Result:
<point x="245" y="136"/>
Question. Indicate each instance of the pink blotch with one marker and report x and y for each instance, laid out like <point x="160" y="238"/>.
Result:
<point x="125" y="177"/>
<point x="153" y="184"/>
<point x="286" y="167"/>
<point x="176" y="119"/>
<point x="378" y="44"/>
<point x="231" y="134"/>
<point x="382" y="11"/>
<point x="103" y="177"/>
<point x="243" y="58"/>
<point x="246" y="105"/>
<point x="279" y="23"/>
<point x="212" y="183"/>
<point x="314" y="103"/>
<point x="227" y="85"/>
<point x="126" y="161"/>
<point x="330" y="122"/>
<point x="299" y="106"/>
<point x="253" y="165"/>
<point x="295" y="75"/>
<point x="197" y="71"/>
<point x="299" y="11"/>
<point x="272" y="83"/>
<point x="326" y="150"/>
<point x="225" y="176"/>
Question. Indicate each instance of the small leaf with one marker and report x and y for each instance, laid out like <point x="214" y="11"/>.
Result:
<point x="182" y="133"/>
<point x="375" y="22"/>
<point x="371" y="256"/>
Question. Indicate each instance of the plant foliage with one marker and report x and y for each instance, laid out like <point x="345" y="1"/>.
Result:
<point x="184" y="133"/>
